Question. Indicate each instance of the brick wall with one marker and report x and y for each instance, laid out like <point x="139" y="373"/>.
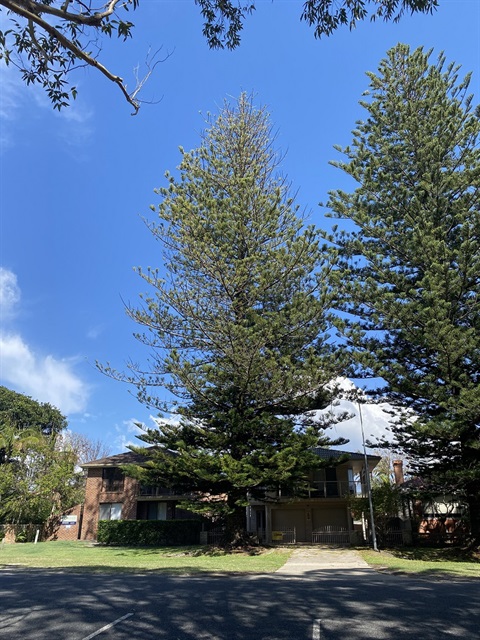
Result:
<point x="95" y="495"/>
<point x="63" y="531"/>
<point x="53" y="530"/>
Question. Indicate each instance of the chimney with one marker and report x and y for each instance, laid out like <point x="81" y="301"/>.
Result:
<point x="398" y="472"/>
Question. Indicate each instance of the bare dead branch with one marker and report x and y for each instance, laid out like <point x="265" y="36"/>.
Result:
<point x="150" y="68"/>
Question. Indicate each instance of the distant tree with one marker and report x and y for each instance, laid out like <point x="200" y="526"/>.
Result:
<point x="409" y="274"/>
<point x="47" y="39"/>
<point x="37" y="480"/>
<point x="84" y="449"/>
<point x="19" y="412"/>
<point x="14" y="440"/>
<point x="39" y="483"/>
<point x="236" y="326"/>
<point x="387" y="502"/>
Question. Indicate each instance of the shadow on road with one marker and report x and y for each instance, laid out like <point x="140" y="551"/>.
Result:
<point x="351" y="604"/>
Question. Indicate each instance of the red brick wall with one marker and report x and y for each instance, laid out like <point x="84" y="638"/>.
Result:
<point x="94" y="496"/>
<point x="69" y="531"/>
<point x="53" y="530"/>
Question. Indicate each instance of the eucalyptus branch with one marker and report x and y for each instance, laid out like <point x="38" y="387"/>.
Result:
<point x="38" y="8"/>
<point x="73" y="48"/>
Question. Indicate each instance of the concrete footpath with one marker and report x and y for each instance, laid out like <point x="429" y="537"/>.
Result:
<point x="306" y="559"/>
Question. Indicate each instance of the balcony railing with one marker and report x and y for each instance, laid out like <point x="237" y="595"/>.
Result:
<point x="155" y="492"/>
<point x="331" y="489"/>
<point x="316" y="489"/>
<point x="147" y="491"/>
<point x="334" y="489"/>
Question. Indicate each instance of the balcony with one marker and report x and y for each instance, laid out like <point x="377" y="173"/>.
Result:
<point x="331" y="489"/>
<point x="148" y="491"/>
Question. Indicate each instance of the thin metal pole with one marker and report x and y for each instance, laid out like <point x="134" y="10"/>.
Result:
<point x="369" y="486"/>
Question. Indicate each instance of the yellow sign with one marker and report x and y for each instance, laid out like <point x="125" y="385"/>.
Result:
<point x="277" y="535"/>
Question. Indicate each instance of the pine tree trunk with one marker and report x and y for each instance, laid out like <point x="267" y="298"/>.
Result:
<point x="473" y="501"/>
<point x="236" y="534"/>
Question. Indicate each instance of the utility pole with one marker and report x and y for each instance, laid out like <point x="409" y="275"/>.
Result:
<point x="369" y="486"/>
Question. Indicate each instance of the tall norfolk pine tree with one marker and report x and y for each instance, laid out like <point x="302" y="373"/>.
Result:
<point x="410" y="272"/>
<point x="237" y="327"/>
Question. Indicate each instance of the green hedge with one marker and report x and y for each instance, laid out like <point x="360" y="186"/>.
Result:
<point x="149" y="532"/>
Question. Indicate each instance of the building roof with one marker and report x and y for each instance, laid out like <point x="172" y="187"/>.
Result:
<point x="117" y="460"/>
<point x="329" y="454"/>
<point x="137" y="458"/>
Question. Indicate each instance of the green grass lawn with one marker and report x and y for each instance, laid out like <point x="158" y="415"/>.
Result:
<point x="426" y="562"/>
<point x="181" y="560"/>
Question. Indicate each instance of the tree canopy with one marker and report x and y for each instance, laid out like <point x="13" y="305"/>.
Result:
<point x="39" y="460"/>
<point x="409" y="274"/>
<point x="38" y="479"/>
<point x="236" y="324"/>
<point x="47" y="39"/>
<point x="38" y="482"/>
<point x="19" y="412"/>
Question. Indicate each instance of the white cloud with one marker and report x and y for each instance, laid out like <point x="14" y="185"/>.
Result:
<point x="11" y="93"/>
<point x="44" y="377"/>
<point x="376" y="418"/>
<point x="95" y="332"/>
<point x="76" y="129"/>
<point x="9" y="294"/>
<point x="126" y="433"/>
<point x="129" y="429"/>
<point x="74" y="124"/>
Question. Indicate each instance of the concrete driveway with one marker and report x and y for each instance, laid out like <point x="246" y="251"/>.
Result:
<point x="306" y="559"/>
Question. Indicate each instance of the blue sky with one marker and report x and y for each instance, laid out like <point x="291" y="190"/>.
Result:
<point x="74" y="186"/>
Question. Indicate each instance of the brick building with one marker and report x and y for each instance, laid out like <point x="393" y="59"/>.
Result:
<point x="323" y="516"/>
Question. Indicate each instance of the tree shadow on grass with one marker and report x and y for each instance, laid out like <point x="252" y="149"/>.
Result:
<point x="434" y="554"/>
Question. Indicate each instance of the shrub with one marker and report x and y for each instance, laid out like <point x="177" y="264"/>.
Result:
<point x="149" y="532"/>
<point x="26" y="532"/>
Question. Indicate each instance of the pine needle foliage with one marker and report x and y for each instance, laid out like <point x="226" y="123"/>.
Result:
<point x="236" y="324"/>
<point x="409" y="272"/>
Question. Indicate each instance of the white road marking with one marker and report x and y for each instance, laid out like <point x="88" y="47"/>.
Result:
<point x="108" y="626"/>
<point x="316" y="630"/>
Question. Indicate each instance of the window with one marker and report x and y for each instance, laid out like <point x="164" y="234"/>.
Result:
<point x="325" y="482"/>
<point x="331" y="482"/>
<point x="110" y="511"/>
<point x="112" y="479"/>
<point x="153" y="511"/>
<point x="352" y="485"/>
<point x="157" y="511"/>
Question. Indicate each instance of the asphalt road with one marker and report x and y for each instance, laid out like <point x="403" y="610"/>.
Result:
<point x="353" y="604"/>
